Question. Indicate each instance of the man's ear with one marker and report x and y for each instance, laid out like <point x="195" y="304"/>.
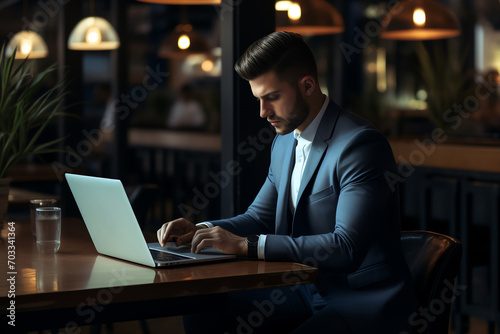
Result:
<point x="308" y="84"/>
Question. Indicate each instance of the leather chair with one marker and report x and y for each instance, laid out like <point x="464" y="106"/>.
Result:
<point x="433" y="260"/>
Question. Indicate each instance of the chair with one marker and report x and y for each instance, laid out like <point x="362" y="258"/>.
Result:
<point x="433" y="260"/>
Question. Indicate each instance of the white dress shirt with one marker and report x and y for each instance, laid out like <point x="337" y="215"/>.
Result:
<point x="302" y="150"/>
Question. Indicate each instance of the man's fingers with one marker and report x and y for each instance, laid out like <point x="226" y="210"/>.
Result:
<point x="203" y="244"/>
<point x="160" y="234"/>
<point x="184" y="239"/>
<point x="170" y="230"/>
<point x="199" y="236"/>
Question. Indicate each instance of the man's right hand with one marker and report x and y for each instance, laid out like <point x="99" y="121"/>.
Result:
<point x="180" y="230"/>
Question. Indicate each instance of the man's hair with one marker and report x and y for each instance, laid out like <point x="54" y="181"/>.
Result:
<point x="285" y="53"/>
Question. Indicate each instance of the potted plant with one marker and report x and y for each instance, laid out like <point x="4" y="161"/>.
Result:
<point x="26" y="109"/>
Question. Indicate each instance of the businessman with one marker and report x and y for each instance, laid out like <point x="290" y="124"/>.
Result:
<point x="325" y="198"/>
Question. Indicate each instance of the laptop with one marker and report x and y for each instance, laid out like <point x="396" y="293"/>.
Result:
<point x="114" y="229"/>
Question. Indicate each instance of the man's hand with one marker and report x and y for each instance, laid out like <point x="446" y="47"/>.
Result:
<point x="221" y="239"/>
<point x="180" y="230"/>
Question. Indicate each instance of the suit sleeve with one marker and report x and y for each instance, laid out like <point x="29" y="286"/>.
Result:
<point x="364" y="203"/>
<point x="260" y="216"/>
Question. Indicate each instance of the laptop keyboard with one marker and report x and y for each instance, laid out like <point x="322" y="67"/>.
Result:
<point x="164" y="256"/>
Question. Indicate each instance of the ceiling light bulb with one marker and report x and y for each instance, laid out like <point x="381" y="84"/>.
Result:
<point x="184" y="42"/>
<point x="26" y="46"/>
<point x="282" y="5"/>
<point x="419" y="17"/>
<point x="207" y="65"/>
<point x="27" y="43"/>
<point x="93" y="35"/>
<point x="294" y="11"/>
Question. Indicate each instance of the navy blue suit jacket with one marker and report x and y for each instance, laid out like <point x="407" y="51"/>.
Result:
<point x="346" y="221"/>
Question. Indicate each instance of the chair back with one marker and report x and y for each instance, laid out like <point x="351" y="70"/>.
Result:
<point x="433" y="260"/>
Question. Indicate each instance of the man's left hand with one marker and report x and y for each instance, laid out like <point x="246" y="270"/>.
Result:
<point x="221" y="239"/>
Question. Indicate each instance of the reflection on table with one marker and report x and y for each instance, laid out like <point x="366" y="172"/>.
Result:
<point x="67" y="288"/>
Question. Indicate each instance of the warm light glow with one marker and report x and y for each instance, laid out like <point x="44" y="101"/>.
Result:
<point x="419" y="17"/>
<point x="207" y="65"/>
<point x="282" y="5"/>
<point x="183" y="42"/>
<point x="422" y="94"/>
<point x="93" y="35"/>
<point x="381" y="70"/>
<point x="26" y="46"/>
<point x="371" y="67"/>
<point x="294" y="11"/>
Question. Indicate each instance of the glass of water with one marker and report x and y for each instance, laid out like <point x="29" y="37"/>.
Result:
<point x="48" y="229"/>
<point x="38" y="203"/>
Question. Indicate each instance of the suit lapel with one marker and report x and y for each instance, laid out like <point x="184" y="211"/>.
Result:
<point x="282" y="211"/>
<point x="319" y="146"/>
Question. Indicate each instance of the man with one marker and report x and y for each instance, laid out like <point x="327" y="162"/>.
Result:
<point x="325" y="198"/>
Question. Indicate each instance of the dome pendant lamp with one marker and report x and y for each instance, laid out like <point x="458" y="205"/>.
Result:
<point x="308" y="17"/>
<point x="420" y="20"/>
<point x="27" y="43"/>
<point x="93" y="34"/>
<point x="183" y="41"/>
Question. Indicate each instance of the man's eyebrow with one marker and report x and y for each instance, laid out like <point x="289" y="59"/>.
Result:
<point x="270" y="93"/>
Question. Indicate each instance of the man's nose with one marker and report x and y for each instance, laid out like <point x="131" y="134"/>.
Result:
<point x="265" y="109"/>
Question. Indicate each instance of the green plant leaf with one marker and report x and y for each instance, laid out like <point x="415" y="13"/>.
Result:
<point x="26" y="110"/>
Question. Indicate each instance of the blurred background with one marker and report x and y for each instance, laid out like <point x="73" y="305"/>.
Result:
<point x="158" y="105"/>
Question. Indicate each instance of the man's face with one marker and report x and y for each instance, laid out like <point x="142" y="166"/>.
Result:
<point x="280" y="102"/>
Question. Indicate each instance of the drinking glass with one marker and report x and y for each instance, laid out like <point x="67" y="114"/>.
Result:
<point x="48" y="229"/>
<point x="38" y="203"/>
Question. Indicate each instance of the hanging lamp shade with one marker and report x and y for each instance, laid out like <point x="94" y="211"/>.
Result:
<point x="184" y="41"/>
<point x="93" y="34"/>
<point x="184" y="2"/>
<point x="28" y="44"/>
<point x="308" y="17"/>
<point x="420" y="20"/>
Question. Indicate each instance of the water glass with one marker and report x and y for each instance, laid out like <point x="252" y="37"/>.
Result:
<point x="48" y="229"/>
<point x="38" y="203"/>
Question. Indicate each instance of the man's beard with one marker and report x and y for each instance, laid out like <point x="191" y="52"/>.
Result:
<point x="295" y="118"/>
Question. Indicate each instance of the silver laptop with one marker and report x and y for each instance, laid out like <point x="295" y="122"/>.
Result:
<point x="114" y="229"/>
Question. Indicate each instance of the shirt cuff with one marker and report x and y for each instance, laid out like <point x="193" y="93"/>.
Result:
<point x="261" y="247"/>
<point x="207" y="224"/>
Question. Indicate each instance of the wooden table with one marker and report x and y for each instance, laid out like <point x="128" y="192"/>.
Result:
<point x="77" y="286"/>
<point x="179" y="140"/>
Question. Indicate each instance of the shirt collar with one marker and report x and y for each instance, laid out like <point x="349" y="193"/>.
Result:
<point x="310" y="132"/>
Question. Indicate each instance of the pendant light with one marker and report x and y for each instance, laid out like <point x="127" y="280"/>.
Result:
<point x="184" y="41"/>
<point x="93" y="34"/>
<point x="27" y="43"/>
<point x="308" y="17"/>
<point x="420" y="20"/>
<point x="184" y="2"/>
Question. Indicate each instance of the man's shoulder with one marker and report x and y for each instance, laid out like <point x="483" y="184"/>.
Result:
<point x="339" y="124"/>
<point x="351" y="121"/>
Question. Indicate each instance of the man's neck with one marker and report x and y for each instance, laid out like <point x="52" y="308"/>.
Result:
<point x="315" y="105"/>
